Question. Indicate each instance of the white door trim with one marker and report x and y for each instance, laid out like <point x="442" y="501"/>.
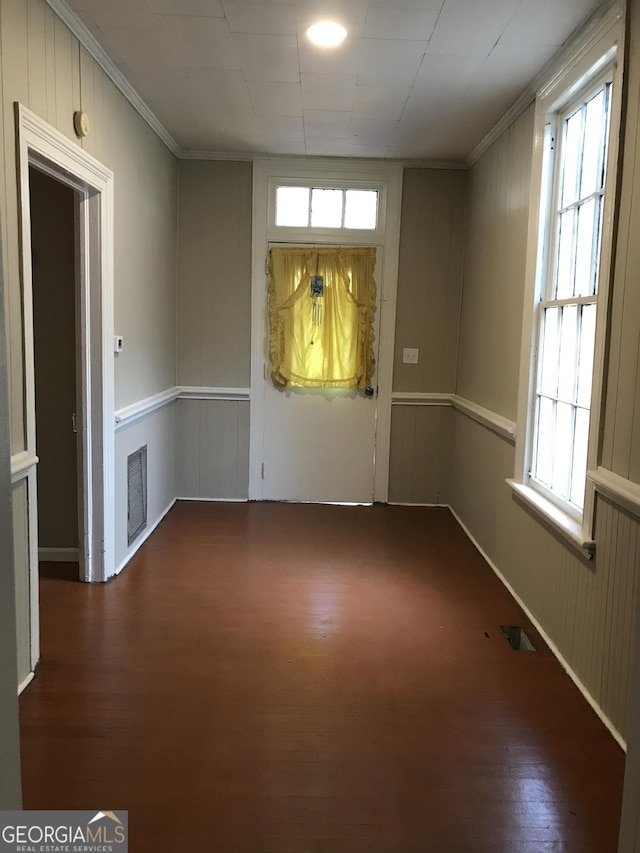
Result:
<point x="43" y="146"/>
<point x="343" y="172"/>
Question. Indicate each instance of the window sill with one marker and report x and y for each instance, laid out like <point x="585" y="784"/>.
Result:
<point x="562" y="522"/>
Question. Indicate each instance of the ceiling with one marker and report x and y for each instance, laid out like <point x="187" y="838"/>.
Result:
<point x="414" y="79"/>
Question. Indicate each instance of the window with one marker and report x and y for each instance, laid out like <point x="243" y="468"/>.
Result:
<point x="577" y="123"/>
<point x="326" y="207"/>
<point x="568" y="298"/>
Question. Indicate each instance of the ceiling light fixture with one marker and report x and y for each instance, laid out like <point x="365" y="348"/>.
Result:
<point x="327" y="34"/>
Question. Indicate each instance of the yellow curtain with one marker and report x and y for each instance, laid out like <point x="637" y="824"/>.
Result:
<point x="322" y="340"/>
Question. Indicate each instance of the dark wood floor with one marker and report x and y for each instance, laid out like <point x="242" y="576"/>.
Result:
<point x="269" y="678"/>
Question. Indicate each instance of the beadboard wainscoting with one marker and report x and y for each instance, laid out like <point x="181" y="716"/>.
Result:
<point x="213" y="449"/>
<point x="157" y="428"/>
<point x="583" y="607"/>
<point x="210" y="449"/>
<point x="421" y="444"/>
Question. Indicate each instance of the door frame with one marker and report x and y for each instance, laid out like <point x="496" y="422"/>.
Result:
<point x="45" y="148"/>
<point x="343" y="173"/>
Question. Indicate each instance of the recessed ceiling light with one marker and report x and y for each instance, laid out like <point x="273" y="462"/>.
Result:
<point x="327" y="33"/>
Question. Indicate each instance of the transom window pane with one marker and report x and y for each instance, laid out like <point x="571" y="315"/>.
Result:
<point x="361" y="209"/>
<point x="292" y="206"/>
<point x="321" y="207"/>
<point x="326" y="208"/>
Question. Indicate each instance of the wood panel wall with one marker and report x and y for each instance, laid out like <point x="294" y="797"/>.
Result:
<point x="621" y="439"/>
<point x="159" y="431"/>
<point x="495" y="253"/>
<point x="214" y="303"/>
<point x="427" y="317"/>
<point x="214" y="449"/>
<point x="429" y="278"/>
<point x="585" y="606"/>
<point x="43" y="66"/>
<point x="420" y="454"/>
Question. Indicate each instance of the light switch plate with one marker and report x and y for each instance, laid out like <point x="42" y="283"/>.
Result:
<point x="410" y="355"/>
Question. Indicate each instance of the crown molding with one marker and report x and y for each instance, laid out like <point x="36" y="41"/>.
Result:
<point x="93" y="47"/>
<point x="592" y="29"/>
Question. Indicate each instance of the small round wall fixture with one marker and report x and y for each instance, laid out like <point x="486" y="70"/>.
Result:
<point x="327" y="34"/>
<point x="81" y="123"/>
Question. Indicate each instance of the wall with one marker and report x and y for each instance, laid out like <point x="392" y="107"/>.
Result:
<point x="585" y="607"/>
<point x="427" y="317"/>
<point x="214" y="327"/>
<point x="54" y="334"/>
<point x="43" y="66"/>
<point x="621" y="440"/>
<point x="159" y="431"/>
<point x="10" y="793"/>
<point x="495" y="249"/>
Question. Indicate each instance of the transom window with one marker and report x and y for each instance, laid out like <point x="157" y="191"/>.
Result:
<point x="326" y="207"/>
<point x="568" y="297"/>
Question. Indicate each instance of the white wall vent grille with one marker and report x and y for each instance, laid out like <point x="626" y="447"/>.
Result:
<point x="136" y="493"/>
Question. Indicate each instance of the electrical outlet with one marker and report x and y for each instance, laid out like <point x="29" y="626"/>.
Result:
<point x="410" y="355"/>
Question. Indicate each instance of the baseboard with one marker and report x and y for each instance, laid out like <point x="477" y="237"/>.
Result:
<point x="216" y="500"/>
<point x="143" y="538"/>
<point x="25" y="682"/>
<point x="408" y="503"/>
<point x="557" y="653"/>
<point x="58" y="555"/>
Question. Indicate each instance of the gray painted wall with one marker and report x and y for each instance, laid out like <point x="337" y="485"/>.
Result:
<point x="586" y="607"/>
<point x="214" y="326"/>
<point x="214" y="302"/>
<point x="43" y="67"/>
<point x="427" y="317"/>
<point x="430" y="278"/>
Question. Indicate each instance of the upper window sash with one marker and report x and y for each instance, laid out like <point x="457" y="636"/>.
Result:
<point x="561" y="192"/>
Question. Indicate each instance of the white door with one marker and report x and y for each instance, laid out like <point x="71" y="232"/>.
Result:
<point x="319" y="443"/>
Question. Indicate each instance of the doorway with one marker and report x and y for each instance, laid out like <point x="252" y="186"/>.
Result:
<point x="54" y="262"/>
<point x="304" y="475"/>
<point x="43" y="148"/>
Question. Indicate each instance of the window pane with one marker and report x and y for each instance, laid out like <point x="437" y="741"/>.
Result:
<point x="592" y="161"/>
<point x="568" y="353"/>
<point x="361" y="209"/>
<point x="587" y="346"/>
<point x="580" y="443"/>
<point x="326" y="208"/>
<point x="544" y="443"/>
<point x="571" y="158"/>
<point x="292" y="206"/>
<point x="566" y="268"/>
<point x="548" y="383"/>
<point x="562" y="449"/>
<point x="585" y="259"/>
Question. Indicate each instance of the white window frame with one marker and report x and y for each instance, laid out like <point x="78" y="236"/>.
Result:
<point x="600" y="47"/>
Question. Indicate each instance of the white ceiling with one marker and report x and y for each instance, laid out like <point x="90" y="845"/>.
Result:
<point x="415" y="79"/>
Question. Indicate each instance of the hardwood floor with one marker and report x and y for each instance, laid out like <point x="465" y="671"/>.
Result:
<point x="280" y="678"/>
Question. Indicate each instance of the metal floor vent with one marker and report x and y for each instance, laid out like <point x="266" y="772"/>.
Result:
<point x="136" y="493"/>
<point x="518" y="638"/>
